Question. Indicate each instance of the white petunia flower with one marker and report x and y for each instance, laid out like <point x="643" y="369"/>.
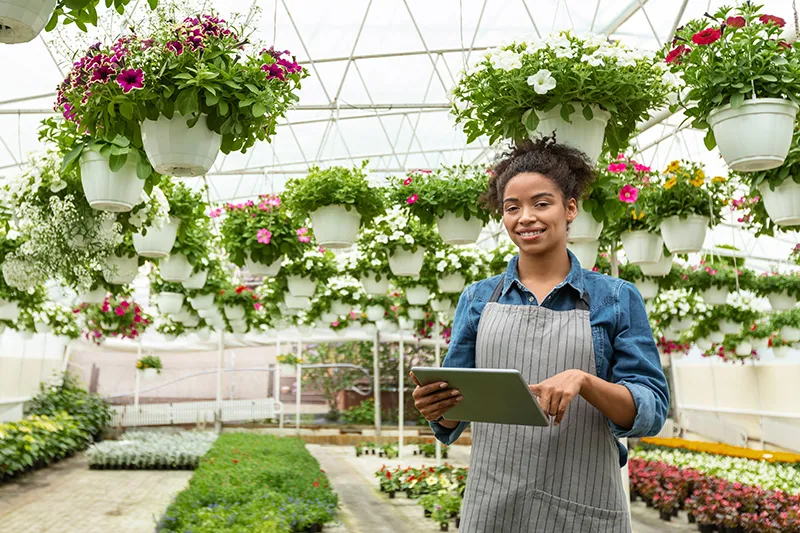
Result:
<point x="568" y="53"/>
<point x="506" y="60"/>
<point x="57" y="185"/>
<point x="593" y="60"/>
<point x="542" y="82"/>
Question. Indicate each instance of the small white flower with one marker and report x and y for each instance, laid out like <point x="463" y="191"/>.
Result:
<point x="626" y="60"/>
<point x="534" y="45"/>
<point x="542" y="81"/>
<point x="57" y="185"/>
<point x="506" y="60"/>
<point x="441" y="266"/>
<point x="593" y="60"/>
<point x="558" y="41"/>
<point x="383" y="239"/>
<point x="565" y="53"/>
<point x="409" y="239"/>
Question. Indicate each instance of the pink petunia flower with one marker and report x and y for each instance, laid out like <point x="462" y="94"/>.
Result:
<point x="408" y="181"/>
<point x="264" y="236"/>
<point x="119" y="311"/>
<point x="629" y="194"/>
<point x="620" y="156"/>
<point x="641" y="168"/>
<point x="302" y="235"/>
<point x="617" y="167"/>
<point x="257" y="306"/>
<point x="131" y="79"/>
<point x="412" y="199"/>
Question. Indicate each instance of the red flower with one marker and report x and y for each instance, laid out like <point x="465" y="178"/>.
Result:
<point x="408" y="181"/>
<point x="412" y="199"/>
<point x="766" y="19"/>
<point x="236" y="460"/>
<point x="707" y="36"/>
<point x="316" y="483"/>
<point x="785" y="45"/>
<point x="736" y="22"/>
<point x="676" y="53"/>
<point x="240" y="289"/>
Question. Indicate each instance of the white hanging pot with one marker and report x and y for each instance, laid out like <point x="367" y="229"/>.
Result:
<point x="715" y="296"/>
<point x="202" y="302"/>
<point x="665" y="361"/>
<point x="10" y="310"/>
<point x="96" y="296"/>
<point x="441" y="305"/>
<point x="781" y="301"/>
<point x="157" y="243"/>
<point x="120" y="270"/>
<point x="369" y="328"/>
<point x="196" y="281"/>
<point x="329" y="317"/>
<point x="703" y="344"/>
<point x="756" y="135"/>
<point x="375" y="313"/>
<point x="403" y="263"/>
<point x="642" y="247"/>
<point x="191" y="321"/>
<point x="406" y="324"/>
<point x="175" y="149"/>
<point x="780" y="351"/>
<point x="175" y="268"/>
<point x="373" y="287"/>
<point x="233" y="312"/>
<point x="22" y="20"/>
<point x="684" y="235"/>
<point x="585" y="252"/>
<point x="648" y="288"/>
<point x="456" y="230"/>
<point x="585" y="135"/>
<point x="238" y="324"/>
<point x="584" y="227"/>
<point x="743" y="349"/>
<point x="451" y="283"/>
<point x="417" y="295"/>
<point x="340" y="308"/>
<point x="170" y="302"/>
<point x="305" y="329"/>
<point x="729" y="327"/>
<point x="107" y="190"/>
<point x="26" y="334"/>
<point x="301" y="286"/>
<point x="760" y="344"/>
<point x="334" y="226"/>
<point x="416" y="313"/>
<point x="791" y="334"/>
<point x="262" y="269"/>
<point x="149" y="373"/>
<point x="718" y="336"/>
<point x="386" y="326"/>
<point x="203" y="334"/>
<point x="239" y="336"/>
<point x="41" y="327"/>
<point x="782" y="204"/>
<point x="681" y="324"/>
<point x="299" y="303"/>
<point x="660" y="268"/>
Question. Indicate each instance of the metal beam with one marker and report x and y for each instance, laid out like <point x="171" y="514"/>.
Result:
<point x="624" y="16"/>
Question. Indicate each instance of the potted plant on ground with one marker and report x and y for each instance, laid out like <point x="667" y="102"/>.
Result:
<point x="338" y="200"/>
<point x="149" y="366"/>
<point x="585" y="89"/>
<point x="449" y="196"/>
<point x="782" y="290"/>
<point x="406" y="240"/>
<point x="741" y="76"/>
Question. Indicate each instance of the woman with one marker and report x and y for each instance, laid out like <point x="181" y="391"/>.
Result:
<point x="582" y="341"/>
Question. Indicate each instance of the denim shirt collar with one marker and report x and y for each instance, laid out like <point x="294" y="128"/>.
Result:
<point x="574" y="279"/>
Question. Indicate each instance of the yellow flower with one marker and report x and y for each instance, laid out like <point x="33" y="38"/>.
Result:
<point x="139" y="364"/>
<point x="640" y="216"/>
<point x="675" y="165"/>
<point x="697" y="182"/>
<point x="718" y="179"/>
<point x="699" y="174"/>
<point x="670" y="183"/>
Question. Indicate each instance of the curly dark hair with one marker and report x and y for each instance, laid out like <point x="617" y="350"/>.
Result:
<point x="568" y="167"/>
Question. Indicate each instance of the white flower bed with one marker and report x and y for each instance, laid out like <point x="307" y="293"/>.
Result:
<point x="151" y="450"/>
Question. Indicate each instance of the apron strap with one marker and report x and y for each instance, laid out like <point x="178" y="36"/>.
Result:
<point x="584" y="303"/>
<point x="498" y="289"/>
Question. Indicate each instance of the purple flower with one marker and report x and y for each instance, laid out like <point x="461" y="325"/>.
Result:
<point x="131" y="79"/>
<point x="175" y="46"/>
<point x="274" y="71"/>
<point x="69" y="112"/>
<point x="103" y="74"/>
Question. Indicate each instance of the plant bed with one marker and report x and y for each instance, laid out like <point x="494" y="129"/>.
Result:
<point x="151" y="450"/>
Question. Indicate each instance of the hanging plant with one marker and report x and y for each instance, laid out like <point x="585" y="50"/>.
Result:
<point x="149" y="361"/>
<point x="631" y="208"/>
<point x="316" y="264"/>
<point x="170" y="328"/>
<point x="115" y="317"/>
<point x="675" y="306"/>
<point x="715" y="274"/>
<point x="240" y="297"/>
<point x="499" y="257"/>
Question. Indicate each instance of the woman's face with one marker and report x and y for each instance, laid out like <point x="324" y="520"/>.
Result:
<point x="535" y="213"/>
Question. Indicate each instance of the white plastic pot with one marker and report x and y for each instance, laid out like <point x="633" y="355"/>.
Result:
<point x="782" y="204"/>
<point x="175" y="149"/>
<point x="386" y="326"/>
<point x="416" y="313"/>
<point x="238" y="324"/>
<point x="780" y="351"/>
<point x="262" y="269"/>
<point x="203" y="334"/>
<point x="681" y="324"/>
<point x="660" y="268"/>
<point x="334" y="226"/>
<point x="299" y="303"/>
<point x="175" y="268"/>
<point x="96" y="296"/>
<point x="196" y="281"/>
<point x="191" y="321"/>
<point x="585" y="253"/>
<point x="584" y="227"/>
<point x="340" y="308"/>
<point x="729" y="327"/>
<point x="788" y="333"/>
<point x="441" y="305"/>
<point x="648" y="288"/>
<point x="233" y="312"/>
<point x="403" y="263"/>
<point x="157" y="243"/>
<point x="22" y="20"/>
<point x="684" y="235"/>
<point x="703" y="344"/>
<point x="329" y="317"/>
<point x="715" y="296"/>
<point x="743" y="349"/>
<point x="107" y="190"/>
<point x="406" y="324"/>
<point x="41" y="327"/>
<point x="456" y="230"/>
<point x="170" y="302"/>
<point x="756" y="135"/>
<point x="120" y="270"/>
<point x="417" y="295"/>
<point x="149" y="373"/>
<point x="585" y="135"/>
<point x="374" y="287"/>
<point x="760" y="344"/>
<point x="239" y="336"/>
<point x="10" y="310"/>
<point x="26" y="334"/>
<point x="375" y="313"/>
<point x="642" y="247"/>
<point x="781" y="301"/>
<point x="301" y="286"/>
<point x="717" y="336"/>
<point x="369" y="328"/>
<point x="452" y="283"/>
<point x="202" y="302"/>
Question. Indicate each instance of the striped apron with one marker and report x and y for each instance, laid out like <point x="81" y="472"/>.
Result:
<point x="542" y="479"/>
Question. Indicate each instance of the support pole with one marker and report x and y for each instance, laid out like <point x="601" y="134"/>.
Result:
<point x="136" y="389"/>
<point x="376" y="386"/>
<point x="298" y="387"/>
<point x="220" y="357"/>
<point x="277" y="375"/>
<point x="625" y="477"/>
<point x="437" y="352"/>
<point x="401" y="396"/>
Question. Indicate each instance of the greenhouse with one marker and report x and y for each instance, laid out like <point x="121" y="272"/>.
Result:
<point x="230" y="230"/>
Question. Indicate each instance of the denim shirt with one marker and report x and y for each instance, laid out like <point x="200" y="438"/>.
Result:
<point x="624" y="350"/>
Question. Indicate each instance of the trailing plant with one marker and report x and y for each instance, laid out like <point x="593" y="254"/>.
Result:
<point x="169" y="327"/>
<point x="786" y="319"/>
<point x="149" y="361"/>
<point x="718" y="275"/>
<point x="84" y="13"/>
<point x="675" y="304"/>
<point x="499" y="257"/>
<point x="683" y="190"/>
<point x="632" y="186"/>
<point x="777" y="283"/>
<point x="115" y="317"/>
<point x="395" y="231"/>
<point x="467" y="261"/>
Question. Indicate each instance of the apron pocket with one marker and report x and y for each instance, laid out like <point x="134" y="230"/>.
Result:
<point x="575" y="509"/>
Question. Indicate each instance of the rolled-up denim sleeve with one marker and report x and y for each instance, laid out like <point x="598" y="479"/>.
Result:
<point x="460" y="354"/>
<point x="635" y="364"/>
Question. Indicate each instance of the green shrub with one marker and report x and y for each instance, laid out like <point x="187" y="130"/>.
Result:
<point x="68" y="396"/>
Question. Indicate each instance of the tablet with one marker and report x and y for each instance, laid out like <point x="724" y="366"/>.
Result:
<point x="498" y="396"/>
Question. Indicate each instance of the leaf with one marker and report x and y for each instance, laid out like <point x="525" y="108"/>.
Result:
<point x="223" y="107"/>
<point x="588" y="114"/>
<point x="143" y="168"/>
<point x="768" y="77"/>
<point x="71" y="157"/>
<point x="258" y="110"/>
<point x="530" y="120"/>
<point x="121" y="140"/>
<point x="566" y="111"/>
<point x="152" y="3"/>
<point x="187" y="102"/>
<point x="737" y="100"/>
<point x="117" y="161"/>
<point x="709" y="140"/>
<point x="211" y="99"/>
<point x="126" y="109"/>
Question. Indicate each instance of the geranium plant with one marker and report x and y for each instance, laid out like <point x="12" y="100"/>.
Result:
<point x="149" y="361"/>
<point x="115" y="317"/>
<point x="241" y="296"/>
<point x="499" y="97"/>
<point x="683" y="189"/>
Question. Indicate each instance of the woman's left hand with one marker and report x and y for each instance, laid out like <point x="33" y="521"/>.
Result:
<point x="556" y="393"/>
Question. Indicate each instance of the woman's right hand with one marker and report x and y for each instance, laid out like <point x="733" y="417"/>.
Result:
<point x="434" y="399"/>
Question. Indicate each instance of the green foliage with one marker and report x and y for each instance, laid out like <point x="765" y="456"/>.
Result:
<point x="684" y="190"/>
<point x="499" y="258"/>
<point x="149" y="361"/>
<point x="319" y="266"/>
<point x="721" y="276"/>
<point x="604" y="201"/>
<point x="775" y="283"/>
<point x="151" y="450"/>
<point x="362" y="414"/>
<point x="84" y="12"/>
<point x="67" y="395"/>
<point x="786" y="319"/>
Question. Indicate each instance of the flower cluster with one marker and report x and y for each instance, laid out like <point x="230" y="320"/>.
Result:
<point x="115" y="317"/>
<point x="685" y="190"/>
<point x="620" y="196"/>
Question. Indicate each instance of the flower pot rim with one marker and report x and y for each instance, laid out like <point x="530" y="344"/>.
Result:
<point x="556" y="111"/>
<point x="752" y="102"/>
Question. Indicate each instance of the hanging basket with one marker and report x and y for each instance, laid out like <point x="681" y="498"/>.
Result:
<point x="717" y="336"/>
<point x="262" y="269"/>
<point x="300" y="303"/>
<point x="681" y="324"/>
<point x="386" y="326"/>
<point x="233" y="312"/>
<point x="648" y="288"/>
<point x="374" y="287"/>
<point x="760" y="344"/>
<point x="755" y="136"/>
<point x="375" y="313"/>
<point x="658" y="269"/>
<point x="403" y="263"/>
<point x="120" y="270"/>
<point x="791" y="334"/>
<point x="781" y="301"/>
<point x="196" y="281"/>
<point x="175" y="149"/>
<point x="584" y="227"/>
<point x="329" y="317"/>
<point x="202" y="302"/>
<point x="585" y="253"/>
<point x="782" y="204"/>
<point x="170" y="303"/>
<point x="743" y="349"/>
<point x="451" y="284"/>
<point x="585" y="135"/>
<point x="417" y="295"/>
<point x="10" y="310"/>
<point x="441" y="305"/>
<point x="684" y="235"/>
<point x="175" y="268"/>
<point x="203" y="335"/>
<point x="416" y="313"/>
<point x="22" y="20"/>
<point x="334" y="226"/>
<point x="107" y="190"/>
<point x="340" y="308"/>
<point x="158" y="243"/>
<point x="715" y="296"/>
<point x="703" y="344"/>
<point x="729" y="327"/>
<point x="642" y="247"/>
<point x="96" y="296"/>
<point x="301" y="286"/>
<point x="780" y="351"/>
<point x="456" y="230"/>
<point x="41" y="328"/>
<point x="406" y="324"/>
